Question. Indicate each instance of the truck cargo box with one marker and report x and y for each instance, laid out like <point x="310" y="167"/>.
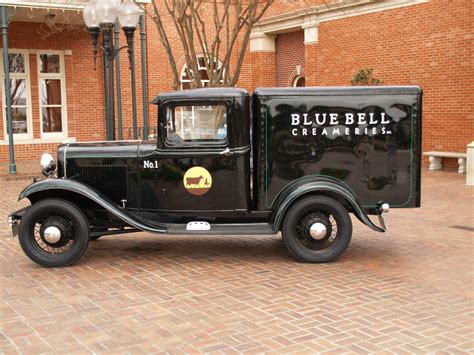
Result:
<point x="369" y="138"/>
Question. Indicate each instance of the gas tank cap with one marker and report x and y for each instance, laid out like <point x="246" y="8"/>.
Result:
<point x="198" y="226"/>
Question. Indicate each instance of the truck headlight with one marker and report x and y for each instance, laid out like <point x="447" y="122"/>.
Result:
<point x="48" y="164"/>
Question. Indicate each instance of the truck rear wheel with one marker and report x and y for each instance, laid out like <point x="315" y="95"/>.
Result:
<point x="317" y="229"/>
<point x="54" y="233"/>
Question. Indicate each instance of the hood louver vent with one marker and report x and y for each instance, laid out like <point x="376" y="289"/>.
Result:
<point x="109" y="179"/>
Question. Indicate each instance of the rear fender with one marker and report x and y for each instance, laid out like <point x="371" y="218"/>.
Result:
<point x="318" y="185"/>
<point x="58" y="185"/>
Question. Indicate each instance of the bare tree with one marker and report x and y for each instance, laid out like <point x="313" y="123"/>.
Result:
<point x="217" y="31"/>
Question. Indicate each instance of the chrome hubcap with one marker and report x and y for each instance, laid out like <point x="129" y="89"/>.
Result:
<point x="52" y="234"/>
<point x="317" y="231"/>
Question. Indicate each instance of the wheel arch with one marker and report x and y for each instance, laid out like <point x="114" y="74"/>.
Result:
<point x="81" y="194"/>
<point x="80" y="200"/>
<point x="64" y="188"/>
<point x="324" y="186"/>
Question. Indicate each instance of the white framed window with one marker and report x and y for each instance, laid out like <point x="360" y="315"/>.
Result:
<point x="186" y="80"/>
<point x="52" y="94"/>
<point x="20" y="94"/>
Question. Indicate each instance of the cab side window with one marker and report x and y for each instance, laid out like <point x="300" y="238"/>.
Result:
<point x="197" y="123"/>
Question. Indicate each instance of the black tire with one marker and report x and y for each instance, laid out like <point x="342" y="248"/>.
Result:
<point x="64" y="215"/>
<point x="336" y="235"/>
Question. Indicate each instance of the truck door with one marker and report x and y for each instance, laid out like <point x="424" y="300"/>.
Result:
<point x="193" y="168"/>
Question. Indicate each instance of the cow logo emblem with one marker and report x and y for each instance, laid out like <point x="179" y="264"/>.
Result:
<point x="197" y="181"/>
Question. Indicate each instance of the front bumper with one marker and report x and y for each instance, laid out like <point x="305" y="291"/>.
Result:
<point x="14" y="220"/>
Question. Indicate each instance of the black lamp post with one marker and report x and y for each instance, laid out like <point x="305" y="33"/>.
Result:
<point x="100" y="17"/>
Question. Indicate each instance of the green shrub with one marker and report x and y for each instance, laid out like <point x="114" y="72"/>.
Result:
<point x="364" y="77"/>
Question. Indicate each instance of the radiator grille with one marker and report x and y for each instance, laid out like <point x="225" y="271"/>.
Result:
<point x="110" y="179"/>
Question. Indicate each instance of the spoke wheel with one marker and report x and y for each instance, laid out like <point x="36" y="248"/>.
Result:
<point x="317" y="229"/>
<point x="54" y="233"/>
<point x="64" y="234"/>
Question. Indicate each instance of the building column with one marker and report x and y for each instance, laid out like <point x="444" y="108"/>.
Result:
<point x="6" y="77"/>
<point x="311" y="34"/>
<point x="262" y="55"/>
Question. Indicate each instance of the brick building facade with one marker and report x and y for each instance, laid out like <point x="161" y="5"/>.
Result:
<point x="407" y="42"/>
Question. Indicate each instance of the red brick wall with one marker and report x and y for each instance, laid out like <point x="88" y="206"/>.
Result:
<point x="290" y="52"/>
<point x="160" y="77"/>
<point x="427" y="44"/>
<point x="263" y="69"/>
<point x="84" y="86"/>
<point x="84" y="94"/>
<point x="430" y="45"/>
<point x="285" y="6"/>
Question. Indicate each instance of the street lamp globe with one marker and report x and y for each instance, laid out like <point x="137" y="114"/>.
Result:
<point x="107" y="11"/>
<point x="129" y="14"/>
<point x="90" y="15"/>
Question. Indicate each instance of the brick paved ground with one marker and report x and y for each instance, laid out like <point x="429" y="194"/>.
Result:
<point x="25" y="171"/>
<point x="410" y="290"/>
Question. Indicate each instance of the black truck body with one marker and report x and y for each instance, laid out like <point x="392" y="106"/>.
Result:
<point x="370" y="139"/>
<point x="225" y="162"/>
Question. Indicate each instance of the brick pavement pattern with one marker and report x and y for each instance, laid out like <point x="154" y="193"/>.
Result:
<point x="410" y="290"/>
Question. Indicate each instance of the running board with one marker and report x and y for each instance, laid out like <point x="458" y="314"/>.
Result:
<point x="204" y="228"/>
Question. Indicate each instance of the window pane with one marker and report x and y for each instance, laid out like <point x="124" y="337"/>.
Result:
<point x="204" y="75"/>
<point x="19" y="121"/>
<point x="18" y="91"/>
<point x="49" y="63"/>
<point x="51" y="92"/>
<point x="184" y="75"/>
<point x="16" y="62"/>
<point x="191" y="123"/>
<point x="299" y="82"/>
<point x="52" y="119"/>
<point x="201" y="62"/>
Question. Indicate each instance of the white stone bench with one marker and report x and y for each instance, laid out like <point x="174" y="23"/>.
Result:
<point x="470" y="164"/>
<point x="436" y="159"/>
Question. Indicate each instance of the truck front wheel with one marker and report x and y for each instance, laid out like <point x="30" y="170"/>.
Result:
<point x="317" y="229"/>
<point x="54" y="233"/>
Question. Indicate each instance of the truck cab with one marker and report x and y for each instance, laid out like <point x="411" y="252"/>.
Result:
<point x="207" y="130"/>
<point x="293" y="160"/>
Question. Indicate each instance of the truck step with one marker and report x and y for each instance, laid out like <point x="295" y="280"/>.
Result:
<point x="198" y="228"/>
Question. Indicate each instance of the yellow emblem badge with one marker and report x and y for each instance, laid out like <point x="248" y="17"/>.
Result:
<point x="197" y="181"/>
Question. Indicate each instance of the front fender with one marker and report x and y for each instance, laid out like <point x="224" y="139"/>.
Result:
<point x="92" y="194"/>
<point x="312" y="185"/>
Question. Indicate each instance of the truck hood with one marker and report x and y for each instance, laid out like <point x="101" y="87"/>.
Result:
<point x="115" y="149"/>
<point x="72" y="155"/>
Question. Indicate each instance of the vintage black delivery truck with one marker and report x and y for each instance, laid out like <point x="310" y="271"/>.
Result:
<point x="298" y="161"/>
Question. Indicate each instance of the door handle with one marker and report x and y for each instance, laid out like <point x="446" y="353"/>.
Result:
<point x="225" y="151"/>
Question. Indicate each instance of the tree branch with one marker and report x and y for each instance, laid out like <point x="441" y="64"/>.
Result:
<point x="230" y="21"/>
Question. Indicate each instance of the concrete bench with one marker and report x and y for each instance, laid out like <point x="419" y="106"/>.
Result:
<point x="436" y="159"/>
